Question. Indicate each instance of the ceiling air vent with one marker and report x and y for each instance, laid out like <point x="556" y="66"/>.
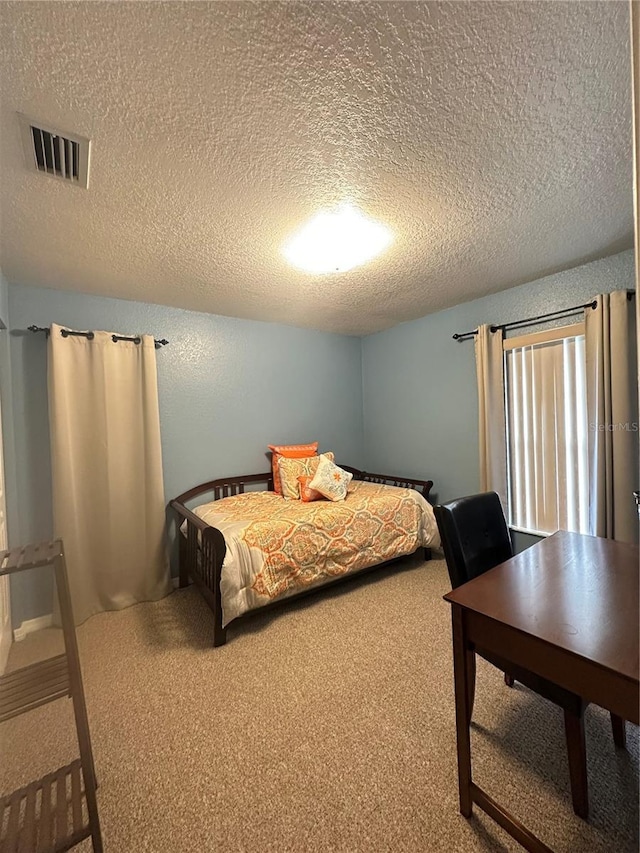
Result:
<point x="55" y="152"/>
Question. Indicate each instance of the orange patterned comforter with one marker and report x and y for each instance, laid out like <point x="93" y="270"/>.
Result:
<point x="276" y="548"/>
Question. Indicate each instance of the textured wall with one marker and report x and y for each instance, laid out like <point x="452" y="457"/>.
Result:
<point x="420" y="397"/>
<point x="7" y="414"/>
<point x="8" y="437"/>
<point x="227" y="388"/>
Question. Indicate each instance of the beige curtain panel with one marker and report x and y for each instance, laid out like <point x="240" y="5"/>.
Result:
<point x="491" y="414"/>
<point x="108" y="495"/>
<point x="612" y="406"/>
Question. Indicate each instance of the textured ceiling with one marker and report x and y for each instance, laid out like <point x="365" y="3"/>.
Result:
<point x="494" y="139"/>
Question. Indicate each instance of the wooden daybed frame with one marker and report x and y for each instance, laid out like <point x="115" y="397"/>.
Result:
<point x="202" y="550"/>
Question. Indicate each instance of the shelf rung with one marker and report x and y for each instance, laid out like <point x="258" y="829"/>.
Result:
<point x="29" y="556"/>
<point x="47" y="815"/>
<point x="33" y="686"/>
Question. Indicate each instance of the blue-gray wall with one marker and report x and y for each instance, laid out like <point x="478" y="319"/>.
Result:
<point x="419" y="385"/>
<point x="402" y="401"/>
<point x="227" y="388"/>
<point x="6" y="398"/>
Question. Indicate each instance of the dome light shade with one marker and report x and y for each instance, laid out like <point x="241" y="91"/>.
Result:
<point x="337" y="241"/>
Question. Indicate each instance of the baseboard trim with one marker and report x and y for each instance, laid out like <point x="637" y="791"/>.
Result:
<point x="31" y="625"/>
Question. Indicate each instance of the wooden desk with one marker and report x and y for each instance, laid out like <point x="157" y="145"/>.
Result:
<point x="566" y="609"/>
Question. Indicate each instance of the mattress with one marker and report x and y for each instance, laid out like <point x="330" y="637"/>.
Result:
<point x="277" y="548"/>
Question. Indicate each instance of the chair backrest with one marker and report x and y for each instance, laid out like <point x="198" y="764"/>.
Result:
<point x="474" y="535"/>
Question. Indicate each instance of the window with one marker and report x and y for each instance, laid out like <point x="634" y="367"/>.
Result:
<point x="546" y="413"/>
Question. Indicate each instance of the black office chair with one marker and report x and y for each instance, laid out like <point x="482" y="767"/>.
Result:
<point x="475" y="538"/>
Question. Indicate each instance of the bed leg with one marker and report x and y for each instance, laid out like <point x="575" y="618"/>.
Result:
<point x="183" y="569"/>
<point x="427" y="554"/>
<point x="219" y="636"/>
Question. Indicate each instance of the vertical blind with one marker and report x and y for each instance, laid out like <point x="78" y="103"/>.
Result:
<point x="547" y="436"/>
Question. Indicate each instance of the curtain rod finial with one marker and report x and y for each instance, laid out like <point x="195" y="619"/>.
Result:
<point x="44" y="329"/>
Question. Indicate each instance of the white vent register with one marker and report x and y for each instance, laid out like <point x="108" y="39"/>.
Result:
<point x="55" y="152"/>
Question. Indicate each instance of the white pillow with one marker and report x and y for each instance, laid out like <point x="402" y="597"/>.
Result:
<point x="330" y="480"/>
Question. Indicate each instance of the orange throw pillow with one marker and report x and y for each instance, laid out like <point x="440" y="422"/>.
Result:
<point x="307" y="494"/>
<point x="290" y="451"/>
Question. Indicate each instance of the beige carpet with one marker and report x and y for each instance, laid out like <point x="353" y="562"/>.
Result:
<point x="327" y="725"/>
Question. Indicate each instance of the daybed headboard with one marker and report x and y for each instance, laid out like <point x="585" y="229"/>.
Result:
<point x="422" y="486"/>
<point x="226" y="487"/>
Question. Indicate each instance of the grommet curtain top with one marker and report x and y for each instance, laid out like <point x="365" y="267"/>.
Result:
<point x="90" y="336"/>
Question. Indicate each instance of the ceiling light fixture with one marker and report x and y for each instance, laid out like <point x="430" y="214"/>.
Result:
<point x="337" y="241"/>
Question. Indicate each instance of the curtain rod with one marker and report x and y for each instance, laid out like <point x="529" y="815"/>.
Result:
<point x="553" y="315"/>
<point x="90" y="336"/>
